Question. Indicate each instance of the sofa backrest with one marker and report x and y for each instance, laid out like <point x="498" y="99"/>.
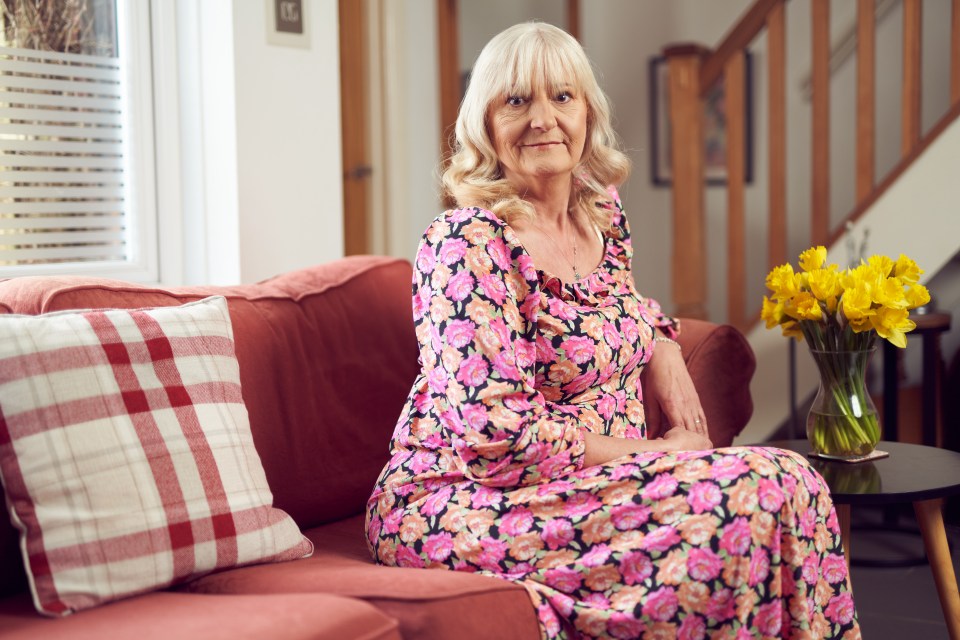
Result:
<point x="327" y="356"/>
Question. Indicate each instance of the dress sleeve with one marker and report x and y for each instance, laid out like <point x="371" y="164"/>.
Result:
<point x="650" y="308"/>
<point x="475" y="307"/>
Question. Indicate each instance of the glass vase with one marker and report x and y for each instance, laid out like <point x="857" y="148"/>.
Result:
<point x="842" y="422"/>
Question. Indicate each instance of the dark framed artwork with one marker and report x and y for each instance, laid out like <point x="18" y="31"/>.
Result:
<point x="715" y="128"/>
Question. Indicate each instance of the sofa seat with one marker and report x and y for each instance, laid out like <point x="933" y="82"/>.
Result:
<point x="426" y="603"/>
<point x="163" y="615"/>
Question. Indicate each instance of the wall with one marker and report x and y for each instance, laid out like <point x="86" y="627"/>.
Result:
<point x="289" y="172"/>
<point x="259" y="190"/>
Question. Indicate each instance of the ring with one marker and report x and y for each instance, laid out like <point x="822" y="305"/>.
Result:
<point x="696" y="421"/>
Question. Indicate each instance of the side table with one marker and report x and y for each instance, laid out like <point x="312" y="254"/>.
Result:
<point x="912" y="473"/>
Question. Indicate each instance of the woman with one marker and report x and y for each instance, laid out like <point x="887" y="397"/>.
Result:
<point x="521" y="451"/>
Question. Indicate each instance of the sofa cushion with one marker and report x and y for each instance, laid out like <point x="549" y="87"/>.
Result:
<point x="428" y="604"/>
<point x="126" y="453"/>
<point x="164" y="615"/>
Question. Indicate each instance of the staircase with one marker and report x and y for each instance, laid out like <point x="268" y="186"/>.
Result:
<point x="927" y="171"/>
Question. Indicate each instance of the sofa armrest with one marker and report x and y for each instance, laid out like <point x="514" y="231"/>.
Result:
<point x="721" y="364"/>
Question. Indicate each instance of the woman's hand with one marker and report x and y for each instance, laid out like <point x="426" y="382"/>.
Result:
<point x="678" y="439"/>
<point x="668" y="378"/>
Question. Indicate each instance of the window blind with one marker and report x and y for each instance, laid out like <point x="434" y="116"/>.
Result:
<point x="62" y="175"/>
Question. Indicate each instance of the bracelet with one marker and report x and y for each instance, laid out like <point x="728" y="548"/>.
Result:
<point x="668" y="341"/>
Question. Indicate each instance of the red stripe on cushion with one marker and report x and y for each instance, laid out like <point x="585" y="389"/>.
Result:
<point x="170" y="378"/>
<point x="76" y="357"/>
<point x="144" y="543"/>
<point x="57" y="416"/>
<point x="155" y="449"/>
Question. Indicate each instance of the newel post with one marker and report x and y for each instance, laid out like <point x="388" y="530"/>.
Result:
<point x="689" y="255"/>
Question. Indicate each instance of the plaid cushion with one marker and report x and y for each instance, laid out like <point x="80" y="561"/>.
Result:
<point x="126" y="453"/>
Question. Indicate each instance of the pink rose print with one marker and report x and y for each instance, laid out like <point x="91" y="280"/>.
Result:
<point x="661" y="605"/>
<point x="564" y="579"/>
<point x="692" y="628"/>
<point x="525" y="352"/>
<point x="728" y="468"/>
<point x="475" y="416"/>
<point x="703" y="564"/>
<point x="704" y="496"/>
<point x="473" y="371"/>
<point x="516" y="521"/>
<point x="486" y="497"/>
<point x="629" y="517"/>
<point x="834" y="568"/>
<point x="660" y="539"/>
<point x="459" y="333"/>
<point x="505" y="366"/>
<point x="721" y="605"/>
<point x="636" y="567"/>
<point x="769" y="619"/>
<point x="770" y="495"/>
<point x="562" y="310"/>
<point x="426" y="260"/>
<point x="810" y="569"/>
<point x="611" y="335"/>
<point x="492" y="554"/>
<point x="620" y="625"/>
<point x="438" y="547"/>
<point x="663" y="486"/>
<point x="422" y="460"/>
<point x="596" y="556"/>
<point x="407" y="557"/>
<point x="735" y="539"/>
<point x="580" y="505"/>
<point x="452" y="251"/>
<point x="557" y="533"/>
<point x="759" y="566"/>
<point x="840" y="609"/>
<point x="459" y="286"/>
<point x="499" y="253"/>
<point x="493" y="288"/>
<point x="545" y="352"/>
<point x="578" y="349"/>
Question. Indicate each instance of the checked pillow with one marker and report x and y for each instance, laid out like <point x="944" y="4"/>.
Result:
<point x="126" y="453"/>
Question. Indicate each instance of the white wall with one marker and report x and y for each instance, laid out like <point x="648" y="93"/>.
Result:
<point x="259" y="190"/>
<point x="289" y="172"/>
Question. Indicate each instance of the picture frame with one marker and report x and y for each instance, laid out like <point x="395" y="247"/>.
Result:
<point x="287" y="24"/>
<point x="715" y="148"/>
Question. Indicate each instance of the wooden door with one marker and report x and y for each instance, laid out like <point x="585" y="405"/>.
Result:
<point x="354" y="126"/>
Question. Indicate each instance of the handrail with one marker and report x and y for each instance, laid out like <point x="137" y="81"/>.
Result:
<point x="742" y="34"/>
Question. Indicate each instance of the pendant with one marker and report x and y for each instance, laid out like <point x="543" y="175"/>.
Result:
<point x="576" y="274"/>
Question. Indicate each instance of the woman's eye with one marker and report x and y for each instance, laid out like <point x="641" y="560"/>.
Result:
<point x="515" y="101"/>
<point x="564" y="96"/>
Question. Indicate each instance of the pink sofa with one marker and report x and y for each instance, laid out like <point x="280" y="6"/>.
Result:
<point x="327" y="355"/>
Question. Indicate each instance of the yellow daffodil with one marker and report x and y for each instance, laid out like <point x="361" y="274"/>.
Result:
<point x="893" y="324"/>
<point x="882" y="264"/>
<point x="804" y="306"/>
<point x="916" y="296"/>
<point x="907" y="270"/>
<point x="825" y="285"/>
<point x="771" y="313"/>
<point x="857" y="307"/>
<point x="890" y="294"/>
<point x="791" y="329"/>
<point x="783" y="282"/>
<point x="813" y="258"/>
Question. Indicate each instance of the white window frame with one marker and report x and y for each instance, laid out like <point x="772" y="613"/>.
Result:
<point x="134" y="47"/>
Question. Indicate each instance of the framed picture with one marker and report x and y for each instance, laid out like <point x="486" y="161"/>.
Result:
<point x="286" y="24"/>
<point x="714" y="134"/>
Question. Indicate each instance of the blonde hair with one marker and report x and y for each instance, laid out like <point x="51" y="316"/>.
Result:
<point x="517" y="60"/>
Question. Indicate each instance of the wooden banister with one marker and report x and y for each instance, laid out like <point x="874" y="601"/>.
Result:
<point x="866" y="96"/>
<point x="820" y="198"/>
<point x="910" y="131"/>
<point x="733" y="94"/>
<point x="689" y="260"/>
<point x="741" y="35"/>
<point x="777" y="133"/>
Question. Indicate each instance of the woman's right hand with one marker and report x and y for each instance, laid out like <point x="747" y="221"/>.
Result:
<point x="681" y="439"/>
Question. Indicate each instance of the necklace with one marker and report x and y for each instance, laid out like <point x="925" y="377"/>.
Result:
<point x="576" y="271"/>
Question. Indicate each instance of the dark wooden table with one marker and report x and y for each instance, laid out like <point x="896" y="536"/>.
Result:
<point x="912" y="473"/>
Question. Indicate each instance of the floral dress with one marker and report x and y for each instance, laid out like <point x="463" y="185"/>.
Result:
<point x="487" y="472"/>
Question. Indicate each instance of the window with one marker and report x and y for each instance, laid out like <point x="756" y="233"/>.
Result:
<point x="76" y="139"/>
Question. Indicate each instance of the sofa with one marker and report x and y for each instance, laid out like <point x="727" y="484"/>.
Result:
<point x="326" y="357"/>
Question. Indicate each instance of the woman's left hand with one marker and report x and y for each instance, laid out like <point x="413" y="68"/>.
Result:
<point x="668" y="378"/>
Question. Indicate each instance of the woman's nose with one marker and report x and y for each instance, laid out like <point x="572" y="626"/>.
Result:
<point x="542" y="115"/>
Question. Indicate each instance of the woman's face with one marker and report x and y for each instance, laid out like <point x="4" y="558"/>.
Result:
<point x="538" y="136"/>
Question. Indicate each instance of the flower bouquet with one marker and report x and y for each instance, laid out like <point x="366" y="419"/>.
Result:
<point x="841" y="314"/>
